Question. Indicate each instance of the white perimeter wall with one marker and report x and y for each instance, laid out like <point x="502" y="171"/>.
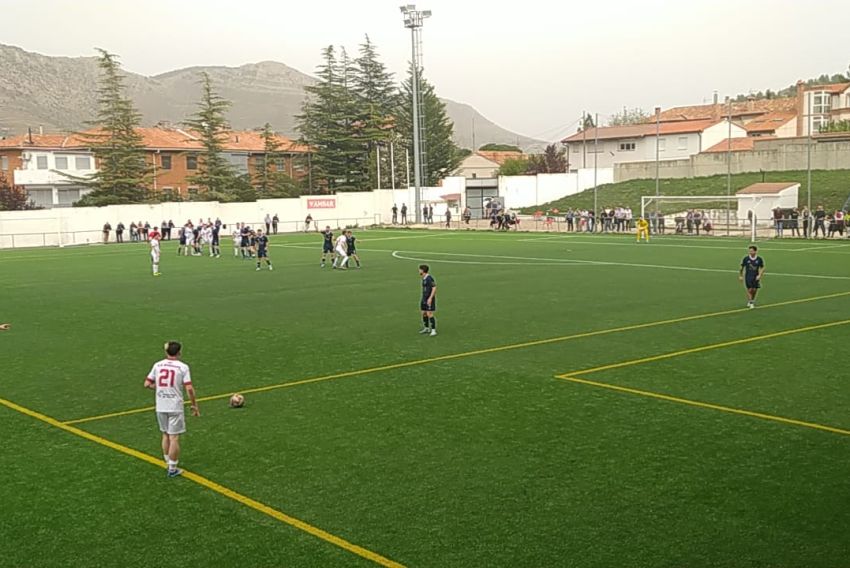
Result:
<point x="81" y="225"/>
<point x="526" y="191"/>
<point x="763" y="205"/>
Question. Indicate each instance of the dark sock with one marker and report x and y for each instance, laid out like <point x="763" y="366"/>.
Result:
<point x="258" y="264"/>
<point x="433" y="323"/>
<point x="425" y="321"/>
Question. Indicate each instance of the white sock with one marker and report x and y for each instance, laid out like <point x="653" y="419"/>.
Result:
<point x="155" y="268"/>
<point x="172" y="465"/>
<point x="165" y="457"/>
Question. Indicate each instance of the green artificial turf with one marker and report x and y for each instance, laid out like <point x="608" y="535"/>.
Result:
<point x="458" y="450"/>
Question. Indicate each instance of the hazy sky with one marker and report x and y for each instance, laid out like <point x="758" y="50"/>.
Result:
<point x="531" y="66"/>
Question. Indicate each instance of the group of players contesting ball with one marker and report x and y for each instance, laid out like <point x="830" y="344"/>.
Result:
<point x="170" y="377"/>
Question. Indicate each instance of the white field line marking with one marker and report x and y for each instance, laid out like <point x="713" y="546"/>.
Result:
<point x="820" y="247"/>
<point x="604" y="263"/>
<point x="492" y="263"/>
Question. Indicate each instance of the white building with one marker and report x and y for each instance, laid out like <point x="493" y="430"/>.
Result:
<point x="485" y="164"/>
<point x="762" y="198"/>
<point x="45" y="165"/>
<point x="637" y="143"/>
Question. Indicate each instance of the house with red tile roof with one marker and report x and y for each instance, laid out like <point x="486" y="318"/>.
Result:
<point x="485" y="164"/>
<point x="637" y="142"/>
<point x="818" y="105"/>
<point x="42" y="163"/>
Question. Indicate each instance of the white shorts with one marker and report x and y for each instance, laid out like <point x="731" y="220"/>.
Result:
<point x="155" y="256"/>
<point x="190" y="242"/>
<point x="172" y="423"/>
<point x="341" y="252"/>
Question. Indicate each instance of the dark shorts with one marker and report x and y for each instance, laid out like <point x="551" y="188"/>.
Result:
<point x="244" y="242"/>
<point x="752" y="283"/>
<point x="352" y="251"/>
<point x="182" y="239"/>
<point x="215" y="241"/>
<point x="328" y="247"/>
<point x="426" y="308"/>
<point x="262" y="253"/>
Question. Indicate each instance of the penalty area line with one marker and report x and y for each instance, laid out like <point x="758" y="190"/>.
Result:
<point x="211" y="485"/>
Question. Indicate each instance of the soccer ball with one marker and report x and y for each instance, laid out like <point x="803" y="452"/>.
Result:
<point x="237" y="401"/>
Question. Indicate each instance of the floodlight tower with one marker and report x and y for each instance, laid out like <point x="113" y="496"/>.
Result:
<point x="414" y="19"/>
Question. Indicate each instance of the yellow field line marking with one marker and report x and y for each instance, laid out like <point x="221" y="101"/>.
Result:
<point x="212" y="485"/>
<point x="703" y="348"/>
<point x="473" y="353"/>
<point x="709" y="406"/>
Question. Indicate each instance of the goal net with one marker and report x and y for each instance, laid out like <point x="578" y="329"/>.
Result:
<point x="737" y="215"/>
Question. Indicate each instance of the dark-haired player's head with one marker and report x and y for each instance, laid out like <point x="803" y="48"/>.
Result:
<point x="173" y="348"/>
<point x="753" y="249"/>
<point x="423" y="269"/>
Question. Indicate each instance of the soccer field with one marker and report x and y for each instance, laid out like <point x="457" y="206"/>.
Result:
<point x="588" y="402"/>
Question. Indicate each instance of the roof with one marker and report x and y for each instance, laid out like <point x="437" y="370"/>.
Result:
<point x="642" y="130"/>
<point x="738" y="145"/>
<point x="770" y="122"/>
<point x="834" y="88"/>
<point x="500" y="157"/>
<point x="155" y="138"/>
<point x="45" y="141"/>
<point x="741" y="108"/>
<point x="767" y="188"/>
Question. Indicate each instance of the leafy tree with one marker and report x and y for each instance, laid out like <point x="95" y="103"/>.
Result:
<point x="215" y="176"/>
<point x="499" y="148"/>
<point x="836" y="126"/>
<point x="628" y="116"/>
<point x="123" y="175"/>
<point x="441" y="153"/>
<point x="552" y="161"/>
<point x="514" y="167"/>
<point x="13" y="198"/>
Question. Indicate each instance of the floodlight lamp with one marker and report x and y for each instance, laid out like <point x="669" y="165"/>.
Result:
<point x="411" y="7"/>
<point x="403" y="9"/>
<point x="426" y="13"/>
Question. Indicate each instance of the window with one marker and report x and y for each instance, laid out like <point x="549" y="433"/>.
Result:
<point x="41" y="162"/>
<point x="576" y="148"/>
<point x="239" y="162"/>
<point x="280" y="164"/>
<point x="662" y="144"/>
<point x="683" y="142"/>
<point x="821" y="103"/>
<point x="627" y="146"/>
<point x="165" y="159"/>
<point x="61" y="162"/>
<point x="82" y="163"/>
<point x="818" y="122"/>
<point x="4" y="162"/>
<point x="191" y="162"/>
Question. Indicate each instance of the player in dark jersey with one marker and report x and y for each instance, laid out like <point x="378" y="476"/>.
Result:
<point x="429" y="301"/>
<point x="262" y="242"/>
<point x="245" y="243"/>
<point x="215" y="246"/>
<point x="327" y="244"/>
<point x="352" y="247"/>
<point x="752" y="270"/>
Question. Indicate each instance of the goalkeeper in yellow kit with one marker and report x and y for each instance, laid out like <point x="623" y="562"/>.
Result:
<point x="642" y="229"/>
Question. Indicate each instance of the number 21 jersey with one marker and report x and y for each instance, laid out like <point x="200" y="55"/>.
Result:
<point x="169" y="376"/>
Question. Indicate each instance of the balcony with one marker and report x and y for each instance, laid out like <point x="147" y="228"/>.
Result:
<point x="46" y="177"/>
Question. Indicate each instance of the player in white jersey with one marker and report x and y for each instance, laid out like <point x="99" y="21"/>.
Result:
<point x="154" y="238"/>
<point x="207" y="236"/>
<point x="168" y="378"/>
<point x="237" y="239"/>
<point x="189" y="234"/>
<point x="341" y="260"/>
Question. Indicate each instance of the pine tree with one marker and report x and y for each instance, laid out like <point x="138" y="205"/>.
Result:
<point x="376" y="99"/>
<point x="326" y="123"/>
<point x="215" y="176"/>
<point x="123" y="175"/>
<point x="12" y="197"/>
<point x="269" y="178"/>
<point x="442" y="156"/>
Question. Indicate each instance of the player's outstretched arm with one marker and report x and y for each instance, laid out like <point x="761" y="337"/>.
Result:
<point x="5" y="326"/>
